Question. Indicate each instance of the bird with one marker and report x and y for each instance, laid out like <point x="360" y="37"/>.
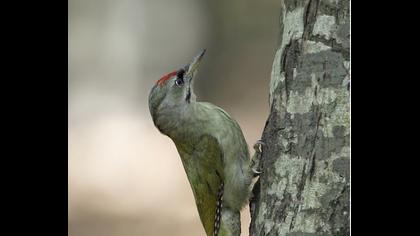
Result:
<point x="211" y="146"/>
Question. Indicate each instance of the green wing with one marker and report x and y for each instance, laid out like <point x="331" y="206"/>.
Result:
<point x="204" y="167"/>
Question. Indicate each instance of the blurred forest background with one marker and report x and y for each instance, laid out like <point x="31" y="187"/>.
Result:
<point x="125" y="178"/>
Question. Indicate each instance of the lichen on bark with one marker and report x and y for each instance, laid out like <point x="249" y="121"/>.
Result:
<point x="304" y="188"/>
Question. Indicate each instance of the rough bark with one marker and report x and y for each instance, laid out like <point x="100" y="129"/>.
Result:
<point x="304" y="188"/>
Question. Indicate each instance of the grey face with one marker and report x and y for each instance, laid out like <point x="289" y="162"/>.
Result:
<point x="173" y="89"/>
<point x="169" y="91"/>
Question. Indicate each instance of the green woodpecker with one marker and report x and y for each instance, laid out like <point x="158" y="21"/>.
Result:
<point x="211" y="146"/>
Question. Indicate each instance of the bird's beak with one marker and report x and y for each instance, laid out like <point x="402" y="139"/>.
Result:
<point x="192" y="67"/>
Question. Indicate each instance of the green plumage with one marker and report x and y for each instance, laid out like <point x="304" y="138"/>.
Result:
<point x="206" y="155"/>
<point x="211" y="146"/>
<point x="213" y="150"/>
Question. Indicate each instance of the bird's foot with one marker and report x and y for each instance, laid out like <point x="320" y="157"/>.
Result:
<point x="255" y="172"/>
<point x="255" y="161"/>
<point x="258" y="146"/>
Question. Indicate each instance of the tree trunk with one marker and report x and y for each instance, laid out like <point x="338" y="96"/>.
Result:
<point x="305" y="187"/>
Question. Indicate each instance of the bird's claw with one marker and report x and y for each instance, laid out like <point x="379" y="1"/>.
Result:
<point x="258" y="146"/>
<point x="255" y="163"/>
<point x="256" y="172"/>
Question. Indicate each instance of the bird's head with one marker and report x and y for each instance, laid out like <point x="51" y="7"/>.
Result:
<point x="174" y="90"/>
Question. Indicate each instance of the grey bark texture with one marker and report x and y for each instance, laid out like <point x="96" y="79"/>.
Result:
<point x="305" y="187"/>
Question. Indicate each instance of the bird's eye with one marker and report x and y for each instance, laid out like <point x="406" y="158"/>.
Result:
<point x="180" y="77"/>
<point x="179" y="81"/>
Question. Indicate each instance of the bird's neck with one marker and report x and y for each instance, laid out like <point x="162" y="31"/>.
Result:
<point x="175" y="121"/>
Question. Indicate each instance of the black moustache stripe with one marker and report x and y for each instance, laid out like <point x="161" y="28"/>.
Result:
<point x="188" y="98"/>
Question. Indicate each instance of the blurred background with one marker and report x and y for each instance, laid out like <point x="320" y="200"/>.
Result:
<point x="125" y="178"/>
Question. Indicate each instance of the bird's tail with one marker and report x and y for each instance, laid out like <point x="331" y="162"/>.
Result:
<point x="230" y="223"/>
<point x="227" y="222"/>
